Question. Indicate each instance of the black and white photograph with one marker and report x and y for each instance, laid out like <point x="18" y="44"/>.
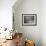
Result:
<point x="29" y="19"/>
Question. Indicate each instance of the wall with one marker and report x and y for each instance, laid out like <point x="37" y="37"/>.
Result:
<point x="6" y="13"/>
<point x="43" y="22"/>
<point x="6" y="18"/>
<point x="28" y="7"/>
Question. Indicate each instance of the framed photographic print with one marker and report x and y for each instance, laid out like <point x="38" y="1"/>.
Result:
<point x="29" y="19"/>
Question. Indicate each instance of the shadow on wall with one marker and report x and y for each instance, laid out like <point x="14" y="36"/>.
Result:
<point x="17" y="4"/>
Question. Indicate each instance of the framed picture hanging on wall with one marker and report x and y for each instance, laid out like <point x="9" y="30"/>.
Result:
<point x="29" y="19"/>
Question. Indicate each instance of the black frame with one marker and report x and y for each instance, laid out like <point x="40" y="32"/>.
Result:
<point x="31" y="15"/>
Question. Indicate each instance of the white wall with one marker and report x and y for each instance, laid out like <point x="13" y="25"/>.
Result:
<point x="43" y="22"/>
<point x="6" y="13"/>
<point x="28" y="7"/>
